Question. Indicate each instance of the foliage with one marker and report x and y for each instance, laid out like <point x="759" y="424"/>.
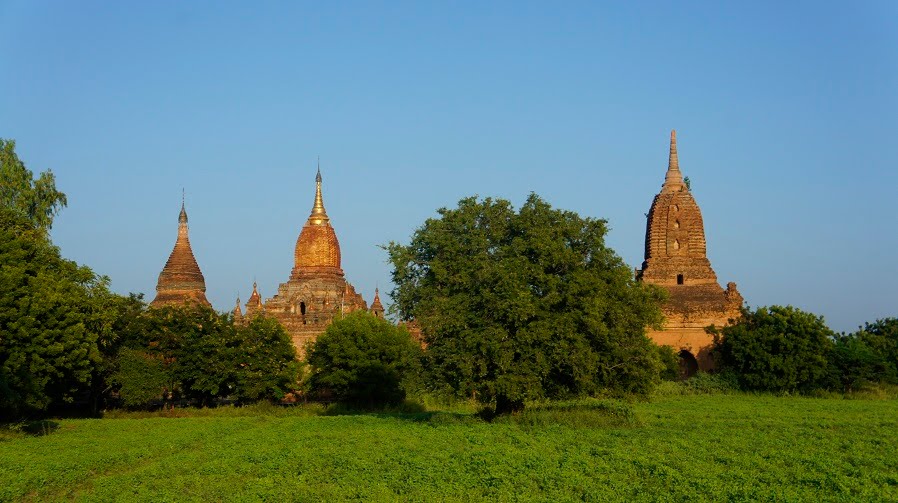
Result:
<point x="777" y="349"/>
<point x="525" y="305"/>
<point x="702" y="383"/>
<point x="866" y="357"/>
<point x="670" y="363"/>
<point x="144" y="377"/>
<point x="881" y="337"/>
<point x="264" y="360"/>
<point x="202" y="356"/>
<point x="36" y="200"/>
<point x="49" y="321"/>
<point x="364" y="360"/>
<point x="684" y="448"/>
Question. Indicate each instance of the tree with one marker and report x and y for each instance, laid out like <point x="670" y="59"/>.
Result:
<point x="194" y="353"/>
<point x="777" y="348"/>
<point x="882" y="338"/>
<point x="525" y="305"/>
<point x="264" y="360"/>
<point x="856" y="364"/>
<point x="37" y="200"/>
<point x="364" y="360"/>
<point x="48" y="314"/>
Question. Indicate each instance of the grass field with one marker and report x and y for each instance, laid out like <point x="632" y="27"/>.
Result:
<point x="674" y="448"/>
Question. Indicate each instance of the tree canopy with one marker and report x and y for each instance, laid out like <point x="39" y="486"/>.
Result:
<point x="364" y="361"/>
<point x="37" y="200"/>
<point x="51" y="317"/>
<point x="777" y="348"/>
<point x="192" y="352"/>
<point x="525" y="305"/>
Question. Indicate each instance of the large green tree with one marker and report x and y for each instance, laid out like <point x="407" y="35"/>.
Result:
<point x="524" y="305"/>
<point x="50" y="320"/>
<point x="777" y="348"/>
<point x="37" y="200"/>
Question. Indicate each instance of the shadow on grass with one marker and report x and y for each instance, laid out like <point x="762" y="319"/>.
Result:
<point x="587" y="413"/>
<point x="38" y="428"/>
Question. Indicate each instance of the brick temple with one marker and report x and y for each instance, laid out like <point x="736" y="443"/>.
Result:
<point x="676" y="259"/>
<point x="181" y="280"/>
<point x="316" y="293"/>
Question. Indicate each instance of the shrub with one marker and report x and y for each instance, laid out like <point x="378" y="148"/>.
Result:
<point x="364" y="361"/>
<point x="670" y="363"/>
<point x="777" y="349"/>
<point x="203" y="357"/>
<point x="882" y="338"/>
<point x="142" y="377"/>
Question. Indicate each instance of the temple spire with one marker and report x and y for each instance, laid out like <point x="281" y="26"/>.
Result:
<point x="182" y="217"/>
<point x="673" y="180"/>
<point x="318" y="216"/>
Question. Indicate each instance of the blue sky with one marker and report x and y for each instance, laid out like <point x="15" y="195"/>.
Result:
<point x="786" y="112"/>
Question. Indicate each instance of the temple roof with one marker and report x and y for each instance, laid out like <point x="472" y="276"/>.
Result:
<point x="255" y="299"/>
<point x="317" y="249"/>
<point x="675" y="247"/>
<point x="181" y="279"/>
<point x="376" y="305"/>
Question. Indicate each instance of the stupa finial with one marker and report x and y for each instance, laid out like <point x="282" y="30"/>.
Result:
<point x="673" y="180"/>
<point x="318" y="216"/>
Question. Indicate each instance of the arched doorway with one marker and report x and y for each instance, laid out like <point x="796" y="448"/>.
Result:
<point x="688" y="364"/>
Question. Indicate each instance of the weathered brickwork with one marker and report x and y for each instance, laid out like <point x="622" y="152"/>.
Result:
<point x="676" y="259"/>
<point x="181" y="280"/>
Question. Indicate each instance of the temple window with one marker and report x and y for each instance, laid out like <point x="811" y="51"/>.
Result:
<point x="679" y="279"/>
<point x="302" y="308"/>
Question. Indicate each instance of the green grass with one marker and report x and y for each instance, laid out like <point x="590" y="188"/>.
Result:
<point x="676" y="448"/>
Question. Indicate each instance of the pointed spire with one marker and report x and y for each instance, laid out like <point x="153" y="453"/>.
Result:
<point x="182" y="217"/>
<point x="254" y="303"/>
<point x="318" y="216"/>
<point x="673" y="180"/>
<point x="377" y="309"/>
<point x="237" y="312"/>
<point x="181" y="279"/>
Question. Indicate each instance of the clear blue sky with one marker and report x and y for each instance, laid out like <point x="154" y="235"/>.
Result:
<point x="786" y="112"/>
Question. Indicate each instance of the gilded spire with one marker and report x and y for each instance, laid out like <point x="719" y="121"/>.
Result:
<point x="673" y="181"/>
<point x="318" y="216"/>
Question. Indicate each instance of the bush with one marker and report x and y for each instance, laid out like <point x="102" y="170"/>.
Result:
<point x="142" y="377"/>
<point x="856" y="365"/>
<point x="882" y="338"/>
<point x="670" y="363"/>
<point x="778" y="348"/>
<point x="203" y="357"/>
<point x="364" y="361"/>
